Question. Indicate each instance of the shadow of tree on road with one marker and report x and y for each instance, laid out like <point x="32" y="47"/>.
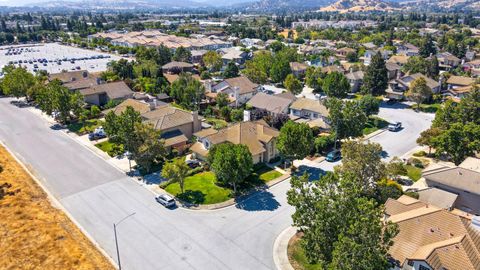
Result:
<point x="262" y="200"/>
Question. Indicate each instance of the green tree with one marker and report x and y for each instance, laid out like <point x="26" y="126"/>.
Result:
<point x="347" y="118"/>
<point x="279" y="70"/>
<point x="212" y="60"/>
<point x="222" y="100"/>
<point x="187" y="91"/>
<point x="459" y="141"/>
<point x="427" y="47"/>
<point x="369" y="104"/>
<point x="182" y="54"/>
<point x="375" y="80"/>
<point x="427" y="138"/>
<point x="17" y="81"/>
<point x="336" y="85"/>
<point x="231" y="71"/>
<point x="147" y="148"/>
<point x="336" y="220"/>
<point x="388" y="189"/>
<point x="231" y="163"/>
<point x="295" y="140"/>
<point x="419" y="91"/>
<point x="364" y="160"/>
<point x="176" y="171"/>
<point x="314" y="78"/>
<point x="293" y="84"/>
<point x="258" y="69"/>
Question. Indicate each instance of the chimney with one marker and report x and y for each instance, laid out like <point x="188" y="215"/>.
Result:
<point x="246" y="116"/>
<point x="197" y="126"/>
<point x="153" y="104"/>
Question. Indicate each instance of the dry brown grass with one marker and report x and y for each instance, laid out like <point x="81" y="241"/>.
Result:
<point x="33" y="233"/>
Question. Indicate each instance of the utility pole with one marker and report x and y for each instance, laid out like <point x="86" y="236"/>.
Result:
<point x="116" y="240"/>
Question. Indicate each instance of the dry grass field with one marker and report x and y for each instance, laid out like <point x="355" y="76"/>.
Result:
<point x="33" y="233"/>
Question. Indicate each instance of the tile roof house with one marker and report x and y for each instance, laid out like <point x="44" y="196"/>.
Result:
<point x="298" y="69"/>
<point x="76" y="80"/>
<point x="175" y="67"/>
<point x="257" y="136"/>
<point x="176" y="125"/>
<point x="355" y="78"/>
<point x="102" y="93"/>
<point x="398" y="59"/>
<point x="402" y="84"/>
<point x="239" y="89"/>
<point x="272" y="103"/>
<point x="431" y="238"/>
<point x="309" y="108"/>
<point x="447" y="61"/>
<point x="458" y="180"/>
<point x="459" y="81"/>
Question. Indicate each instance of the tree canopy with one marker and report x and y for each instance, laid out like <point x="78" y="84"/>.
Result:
<point x="295" y="140"/>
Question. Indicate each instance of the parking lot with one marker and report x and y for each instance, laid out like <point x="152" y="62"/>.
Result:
<point x="54" y="58"/>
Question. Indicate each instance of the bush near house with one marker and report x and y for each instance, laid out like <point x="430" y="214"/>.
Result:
<point x="112" y="149"/>
<point x="90" y="125"/>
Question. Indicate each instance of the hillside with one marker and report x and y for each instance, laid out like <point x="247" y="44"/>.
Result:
<point x="344" y="6"/>
<point x="441" y="5"/>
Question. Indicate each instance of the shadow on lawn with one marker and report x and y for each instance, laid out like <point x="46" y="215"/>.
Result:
<point x="192" y="196"/>
<point x="261" y="200"/>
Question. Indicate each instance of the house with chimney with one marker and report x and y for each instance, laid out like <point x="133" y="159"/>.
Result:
<point x="258" y="136"/>
<point x="177" y="126"/>
<point x="239" y="90"/>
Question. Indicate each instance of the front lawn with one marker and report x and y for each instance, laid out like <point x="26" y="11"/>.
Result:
<point x="428" y="108"/>
<point x="200" y="188"/>
<point x="373" y="124"/>
<point x="112" y="149"/>
<point x="413" y="172"/>
<point x="264" y="173"/>
<point x="90" y="126"/>
<point x="297" y="257"/>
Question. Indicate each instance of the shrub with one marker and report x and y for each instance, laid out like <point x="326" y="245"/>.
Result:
<point x="412" y="194"/>
<point x="415" y="162"/>
<point x="420" y="154"/>
<point x="195" y="171"/>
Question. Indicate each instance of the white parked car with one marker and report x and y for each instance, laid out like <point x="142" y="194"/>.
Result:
<point x="165" y="200"/>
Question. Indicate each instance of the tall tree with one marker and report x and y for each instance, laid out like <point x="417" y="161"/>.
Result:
<point x="293" y="84"/>
<point x="347" y="118"/>
<point x="17" y="81"/>
<point x="231" y="163"/>
<point x="182" y="54"/>
<point x="212" y="60"/>
<point x="427" y="47"/>
<point x="336" y="85"/>
<point x="187" y="91"/>
<point x="369" y="104"/>
<point x="375" y="80"/>
<point x="147" y="147"/>
<point x="295" y="140"/>
<point x="176" y="171"/>
<point x="419" y="91"/>
<point x="231" y="71"/>
<point x="314" y="78"/>
<point x="340" y="227"/>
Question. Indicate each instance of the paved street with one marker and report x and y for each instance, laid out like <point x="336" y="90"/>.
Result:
<point x="97" y="195"/>
<point x="393" y="143"/>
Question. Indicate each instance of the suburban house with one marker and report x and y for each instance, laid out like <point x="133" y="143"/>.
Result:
<point x="298" y="69"/>
<point x="330" y="69"/>
<point x="402" y="84"/>
<point x="447" y="61"/>
<point x="459" y="81"/>
<point x="197" y="56"/>
<point x="309" y="109"/>
<point x="233" y="55"/>
<point x="239" y="89"/>
<point x="273" y="104"/>
<point x="393" y="70"/>
<point x="343" y="52"/>
<point x="432" y="238"/>
<point x="407" y="49"/>
<point x="76" y="80"/>
<point x="398" y="59"/>
<point x="355" y="78"/>
<point x="176" y="125"/>
<point x="101" y="94"/>
<point x="177" y="67"/>
<point x="463" y="182"/>
<point x="257" y="136"/>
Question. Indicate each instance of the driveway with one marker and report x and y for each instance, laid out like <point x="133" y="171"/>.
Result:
<point x="393" y="143"/>
<point x="96" y="194"/>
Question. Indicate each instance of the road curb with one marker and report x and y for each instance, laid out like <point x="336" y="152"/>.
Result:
<point x="280" y="253"/>
<point x="56" y="203"/>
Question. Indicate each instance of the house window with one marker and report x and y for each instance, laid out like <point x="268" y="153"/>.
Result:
<point x="315" y="115"/>
<point x="410" y="262"/>
<point x="423" y="268"/>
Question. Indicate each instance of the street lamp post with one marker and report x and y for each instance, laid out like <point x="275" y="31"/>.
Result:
<point x="116" y="240"/>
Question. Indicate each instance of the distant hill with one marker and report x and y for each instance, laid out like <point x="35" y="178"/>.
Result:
<point x="274" y="5"/>
<point x="441" y="5"/>
<point x="344" y="6"/>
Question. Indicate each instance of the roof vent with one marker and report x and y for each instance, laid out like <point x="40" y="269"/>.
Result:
<point x="432" y="230"/>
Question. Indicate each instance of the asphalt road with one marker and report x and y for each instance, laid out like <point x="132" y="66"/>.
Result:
<point x="97" y="195"/>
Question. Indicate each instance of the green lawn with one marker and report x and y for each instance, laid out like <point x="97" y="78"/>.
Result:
<point x="200" y="188"/>
<point x="297" y="257"/>
<point x="373" y="124"/>
<point x="429" y="108"/>
<point x="112" y="149"/>
<point x="217" y="123"/>
<point x="90" y="126"/>
<point x="261" y="175"/>
<point x="413" y="172"/>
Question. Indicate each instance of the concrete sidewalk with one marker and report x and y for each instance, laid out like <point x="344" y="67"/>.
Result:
<point x="280" y="249"/>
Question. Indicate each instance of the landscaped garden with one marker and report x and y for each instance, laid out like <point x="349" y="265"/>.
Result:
<point x="200" y="188"/>
<point x="84" y="128"/>
<point x="263" y="173"/>
<point x="112" y="149"/>
<point x="373" y="124"/>
<point x="297" y="257"/>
